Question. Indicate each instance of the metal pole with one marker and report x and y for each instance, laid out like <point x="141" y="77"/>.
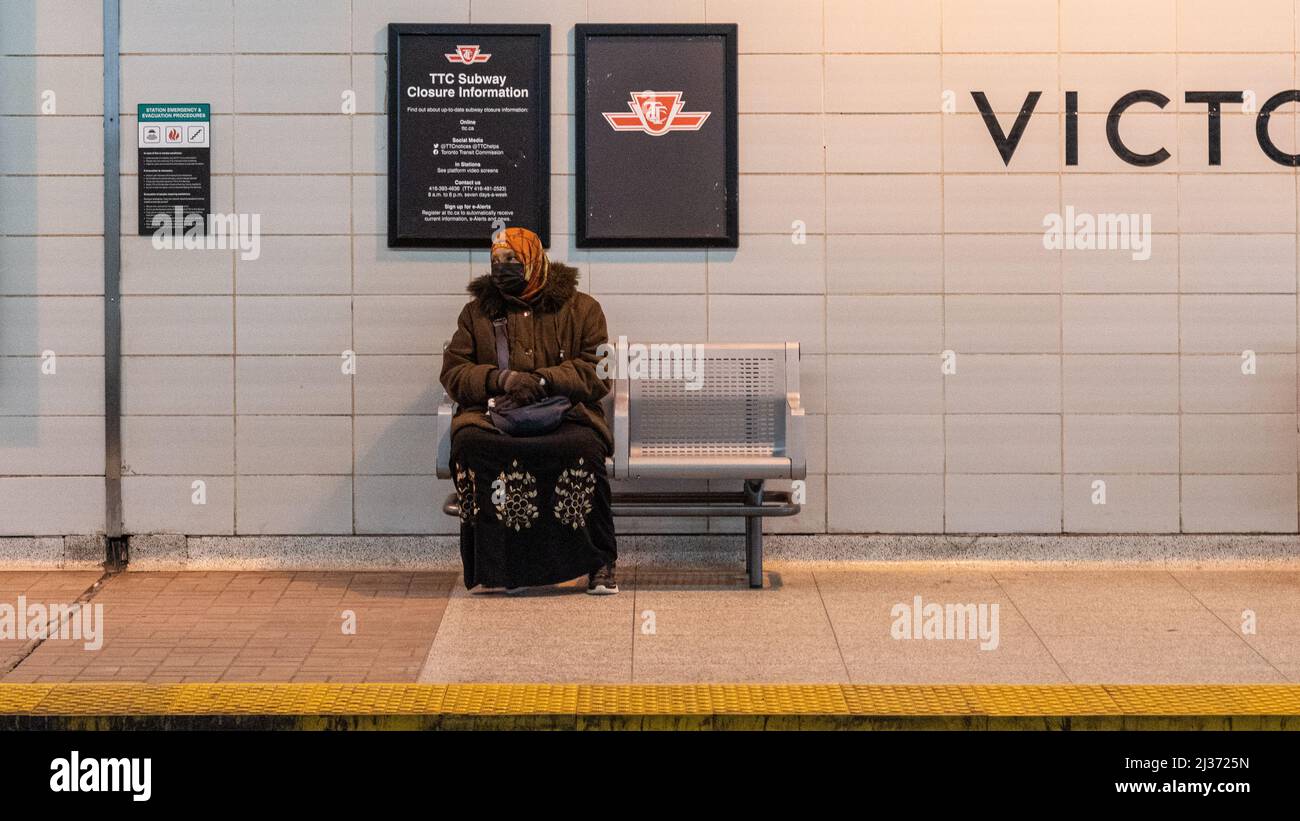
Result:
<point x="112" y="287"/>
<point x="754" y="534"/>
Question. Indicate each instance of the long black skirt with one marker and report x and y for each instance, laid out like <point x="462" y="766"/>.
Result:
<point x="534" y="510"/>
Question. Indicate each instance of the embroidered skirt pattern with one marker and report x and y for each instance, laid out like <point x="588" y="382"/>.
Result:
<point x="534" y="510"/>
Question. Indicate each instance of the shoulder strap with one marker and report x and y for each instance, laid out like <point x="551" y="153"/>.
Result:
<point x="503" y="343"/>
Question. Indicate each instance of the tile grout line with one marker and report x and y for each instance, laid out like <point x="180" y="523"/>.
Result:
<point x="1031" y="627"/>
<point x="848" y="676"/>
<point x="32" y="645"/>
<point x="1236" y="633"/>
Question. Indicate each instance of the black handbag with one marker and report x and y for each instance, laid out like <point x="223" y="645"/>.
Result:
<point x="512" y="418"/>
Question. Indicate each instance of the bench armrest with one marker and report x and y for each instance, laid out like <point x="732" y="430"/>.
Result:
<point x="446" y="410"/>
<point x="794" y="437"/>
<point x="794" y="432"/>
<point x="622" y="432"/>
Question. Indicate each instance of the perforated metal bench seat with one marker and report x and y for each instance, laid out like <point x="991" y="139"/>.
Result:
<point x="738" y="417"/>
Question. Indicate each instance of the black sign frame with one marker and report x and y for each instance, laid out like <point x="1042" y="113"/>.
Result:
<point x="729" y="173"/>
<point x="185" y="165"/>
<point x="541" y="205"/>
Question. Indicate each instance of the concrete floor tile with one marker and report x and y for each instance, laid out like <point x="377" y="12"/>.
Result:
<point x="1268" y="603"/>
<point x="556" y="635"/>
<point x="809" y="624"/>
<point x="1279" y="649"/>
<point x="742" y="670"/>
<point x="1215" y="585"/>
<point x="861" y="609"/>
<point x="1174" y="658"/>
<point x="995" y="671"/>
<point x="1146" y="672"/>
<point x="1080" y="590"/>
<point x="1134" y="621"/>
<point x="778" y="634"/>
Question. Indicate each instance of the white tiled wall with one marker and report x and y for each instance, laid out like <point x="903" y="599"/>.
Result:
<point x="1072" y="367"/>
<point x="51" y="268"/>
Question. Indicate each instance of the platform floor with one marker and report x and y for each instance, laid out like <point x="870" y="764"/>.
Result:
<point x="811" y="624"/>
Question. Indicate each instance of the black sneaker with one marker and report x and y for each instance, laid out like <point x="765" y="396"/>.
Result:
<point x="602" y="582"/>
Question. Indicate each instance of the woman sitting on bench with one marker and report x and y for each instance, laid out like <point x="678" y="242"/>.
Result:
<point x="529" y="438"/>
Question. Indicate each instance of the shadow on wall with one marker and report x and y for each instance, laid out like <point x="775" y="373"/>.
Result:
<point x="404" y="496"/>
<point x="20" y="353"/>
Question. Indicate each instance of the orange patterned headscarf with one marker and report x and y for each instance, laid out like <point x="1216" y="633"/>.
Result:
<point x="528" y="250"/>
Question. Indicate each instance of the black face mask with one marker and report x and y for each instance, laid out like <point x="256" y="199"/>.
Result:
<point x="509" y="277"/>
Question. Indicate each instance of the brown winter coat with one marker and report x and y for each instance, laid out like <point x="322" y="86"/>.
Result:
<point x="555" y="337"/>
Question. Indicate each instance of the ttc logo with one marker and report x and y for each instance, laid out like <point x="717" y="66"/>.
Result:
<point x="467" y="55"/>
<point x="656" y="113"/>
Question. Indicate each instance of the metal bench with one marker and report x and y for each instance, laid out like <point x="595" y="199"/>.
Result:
<point x="744" y="421"/>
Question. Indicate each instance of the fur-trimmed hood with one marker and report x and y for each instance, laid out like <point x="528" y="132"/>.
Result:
<point x="561" y="283"/>
<point x="556" y="336"/>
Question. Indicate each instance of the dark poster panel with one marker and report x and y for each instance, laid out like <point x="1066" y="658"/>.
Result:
<point x="468" y="133"/>
<point x="656" y="141"/>
<point x="174" y="158"/>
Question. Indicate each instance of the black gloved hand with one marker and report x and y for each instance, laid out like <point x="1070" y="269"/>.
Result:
<point x="523" y="387"/>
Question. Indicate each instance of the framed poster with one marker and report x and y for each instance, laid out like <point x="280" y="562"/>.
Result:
<point x="469" y="133"/>
<point x="657" y="159"/>
<point x="174" y="157"/>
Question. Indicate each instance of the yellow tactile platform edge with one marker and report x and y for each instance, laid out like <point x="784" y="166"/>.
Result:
<point x="689" y="700"/>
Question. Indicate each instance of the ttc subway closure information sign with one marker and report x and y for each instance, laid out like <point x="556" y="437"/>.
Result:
<point x="468" y="133"/>
<point x="175" y="166"/>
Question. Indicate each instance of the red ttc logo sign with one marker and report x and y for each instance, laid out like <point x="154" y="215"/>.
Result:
<point x="656" y="113"/>
<point x="468" y="55"/>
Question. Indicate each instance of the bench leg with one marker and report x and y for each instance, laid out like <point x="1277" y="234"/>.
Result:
<point x="754" y="535"/>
